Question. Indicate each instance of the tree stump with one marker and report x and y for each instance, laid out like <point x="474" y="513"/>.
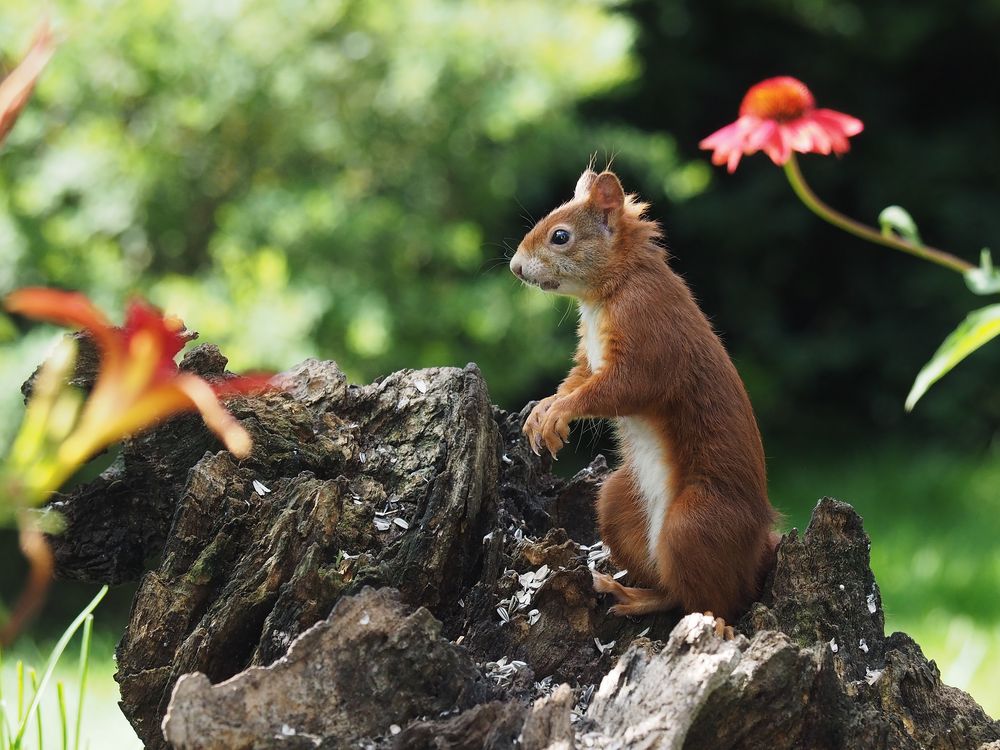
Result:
<point x="393" y="568"/>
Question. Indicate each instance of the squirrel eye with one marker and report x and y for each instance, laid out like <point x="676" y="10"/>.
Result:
<point x="560" y="237"/>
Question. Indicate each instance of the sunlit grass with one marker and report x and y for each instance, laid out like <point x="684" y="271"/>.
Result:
<point x="103" y="726"/>
<point x="966" y="651"/>
<point x="934" y="519"/>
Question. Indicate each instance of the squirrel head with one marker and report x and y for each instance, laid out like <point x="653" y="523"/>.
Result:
<point x="586" y="241"/>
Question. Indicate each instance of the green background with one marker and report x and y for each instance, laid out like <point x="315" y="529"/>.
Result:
<point x="347" y="179"/>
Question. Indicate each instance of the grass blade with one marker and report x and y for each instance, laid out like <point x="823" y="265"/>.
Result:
<point x="88" y="630"/>
<point x="20" y="689"/>
<point x="63" y="724"/>
<point x="38" y="713"/>
<point x="57" y="651"/>
<point x="5" y="730"/>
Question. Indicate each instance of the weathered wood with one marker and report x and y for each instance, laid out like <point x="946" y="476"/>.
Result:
<point x="368" y="666"/>
<point x="416" y="484"/>
<point x="117" y="522"/>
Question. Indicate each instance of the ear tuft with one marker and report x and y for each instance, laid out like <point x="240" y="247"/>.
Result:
<point x="582" y="189"/>
<point x="606" y="193"/>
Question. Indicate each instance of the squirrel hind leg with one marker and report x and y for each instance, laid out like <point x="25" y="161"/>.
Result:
<point x="633" y="601"/>
<point x="621" y="518"/>
<point x="709" y="558"/>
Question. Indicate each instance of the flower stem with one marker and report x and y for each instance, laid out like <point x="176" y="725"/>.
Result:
<point x="865" y="232"/>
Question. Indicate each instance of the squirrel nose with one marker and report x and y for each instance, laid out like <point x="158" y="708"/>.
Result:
<point x="515" y="267"/>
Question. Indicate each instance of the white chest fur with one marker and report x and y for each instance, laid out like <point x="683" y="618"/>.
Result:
<point x="590" y="317"/>
<point x="641" y="446"/>
<point x="646" y="455"/>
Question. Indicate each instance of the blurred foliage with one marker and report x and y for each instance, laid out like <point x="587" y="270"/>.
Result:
<point x="345" y="178"/>
<point x="331" y="178"/>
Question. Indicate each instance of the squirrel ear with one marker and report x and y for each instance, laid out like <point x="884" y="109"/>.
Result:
<point x="582" y="189"/>
<point x="607" y="195"/>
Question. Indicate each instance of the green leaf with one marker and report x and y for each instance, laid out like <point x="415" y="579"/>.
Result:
<point x="896" y="219"/>
<point x="978" y="328"/>
<point x="985" y="279"/>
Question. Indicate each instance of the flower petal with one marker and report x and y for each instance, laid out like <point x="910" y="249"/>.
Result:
<point x="725" y="143"/>
<point x="218" y="420"/>
<point x="242" y="384"/>
<point x="70" y="309"/>
<point x="809" y="137"/>
<point x="838" y="141"/>
<point x="734" y="160"/>
<point x="721" y="137"/>
<point x="15" y="90"/>
<point x="838" y="126"/>
<point x="142" y="316"/>
<point x="730" y="142"/>
<point x="153" y="339"/>
<point x="778" y="146"/>
<point x="186" y="392"/>
<point x="107" y="420"/>
<point x="759" y="135"/>
<point x="832" y="119"/>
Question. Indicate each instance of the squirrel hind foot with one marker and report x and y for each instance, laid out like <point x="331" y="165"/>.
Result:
<point x="722" y="630"/>
<point x="605" y="584"/>
<point x="632" y="601"/>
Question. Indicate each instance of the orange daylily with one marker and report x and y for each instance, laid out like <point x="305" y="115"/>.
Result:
<point x="138" y="383"/>
<point x="16" y="88"/>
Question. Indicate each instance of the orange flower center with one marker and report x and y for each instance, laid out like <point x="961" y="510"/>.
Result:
<point x="782" y="99"/>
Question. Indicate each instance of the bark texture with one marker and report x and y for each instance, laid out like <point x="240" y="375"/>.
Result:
<point x="393" y="568"/>
<point x="316" y="695"/>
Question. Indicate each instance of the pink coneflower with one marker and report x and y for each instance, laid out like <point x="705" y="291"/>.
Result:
<point x="779" y="116"/>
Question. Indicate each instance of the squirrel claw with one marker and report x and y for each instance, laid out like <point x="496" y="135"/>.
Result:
<point x="722" y="630"/>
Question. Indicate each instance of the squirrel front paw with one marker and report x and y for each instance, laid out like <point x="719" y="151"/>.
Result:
<point x="533" y="424"/>
<point x="548" y="425"/>
<point x="554" y="432"/>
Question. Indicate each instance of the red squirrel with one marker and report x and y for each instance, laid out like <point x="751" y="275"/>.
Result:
<point x="687" y="512"/>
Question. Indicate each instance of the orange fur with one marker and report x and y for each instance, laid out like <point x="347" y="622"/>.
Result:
<point x="687" y="512"/>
